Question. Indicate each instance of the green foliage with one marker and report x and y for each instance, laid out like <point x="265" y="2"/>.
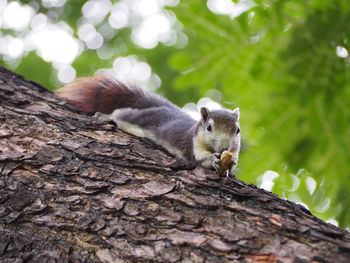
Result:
<point x="278" y="63"/>
<point x="280" y="66"/>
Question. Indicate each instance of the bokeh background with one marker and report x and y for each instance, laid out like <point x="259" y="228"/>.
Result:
<point x="285" y="63"/>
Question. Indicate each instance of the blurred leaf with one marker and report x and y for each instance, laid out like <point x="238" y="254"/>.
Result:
<point x="181" y="62"/>
<point x="35" y="68"/>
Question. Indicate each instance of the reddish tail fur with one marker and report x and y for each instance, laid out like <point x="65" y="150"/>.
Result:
<point x="105" y="94"/>
<point x="96" y="94"/>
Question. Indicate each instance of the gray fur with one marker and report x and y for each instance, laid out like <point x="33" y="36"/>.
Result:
<point x="148" y="115"/>
<point x="165" y="123"/>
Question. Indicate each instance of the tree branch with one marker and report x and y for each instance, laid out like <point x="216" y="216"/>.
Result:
<point x="73" y="189"/>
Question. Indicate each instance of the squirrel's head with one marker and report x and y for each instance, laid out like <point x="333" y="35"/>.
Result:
<point x="219" y="129"/>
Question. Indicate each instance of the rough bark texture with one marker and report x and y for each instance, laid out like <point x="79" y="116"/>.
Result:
<point x="73" y="190"/>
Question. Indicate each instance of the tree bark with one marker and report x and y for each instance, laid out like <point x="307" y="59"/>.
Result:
<point x="76" y="190"/>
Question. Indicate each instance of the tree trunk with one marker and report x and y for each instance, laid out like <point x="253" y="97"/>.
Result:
<point x="75" y="190"/>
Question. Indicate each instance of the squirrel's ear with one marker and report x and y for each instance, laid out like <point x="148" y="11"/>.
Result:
<point x="236" y="113"/>
<point x="205" y="113"/>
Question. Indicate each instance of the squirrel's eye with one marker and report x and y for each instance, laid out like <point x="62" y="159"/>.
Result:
<point x="238" y="130"/>
<point x="209" y="127"/>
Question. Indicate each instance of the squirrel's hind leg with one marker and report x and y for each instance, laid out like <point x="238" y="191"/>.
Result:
<point x="122" y="117"/>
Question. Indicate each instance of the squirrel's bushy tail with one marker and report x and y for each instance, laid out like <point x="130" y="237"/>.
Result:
<point x="104" y="93"/>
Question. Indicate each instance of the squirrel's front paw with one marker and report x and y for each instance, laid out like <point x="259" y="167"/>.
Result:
<point x="215" y="157"/>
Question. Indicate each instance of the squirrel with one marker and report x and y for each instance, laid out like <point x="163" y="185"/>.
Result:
<point x="149" y="115"/>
